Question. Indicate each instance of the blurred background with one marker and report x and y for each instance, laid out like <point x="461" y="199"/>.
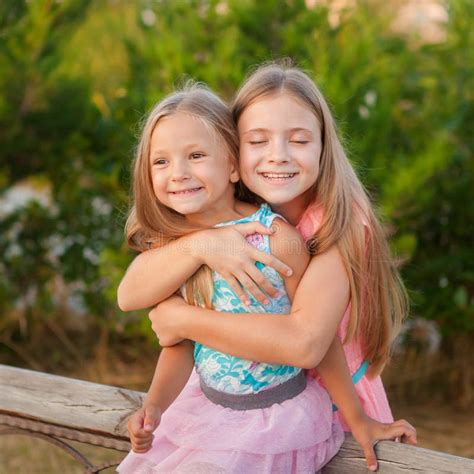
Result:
<point x="76" y="78"/>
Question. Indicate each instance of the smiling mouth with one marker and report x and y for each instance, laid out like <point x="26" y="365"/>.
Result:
<point x="278" y="177"/>
<point x="185" y="192"/>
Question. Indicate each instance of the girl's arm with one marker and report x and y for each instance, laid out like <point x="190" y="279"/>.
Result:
<point x="337" y="379"/>
<point x="172" y="371"/>
<point x="301" y="338"/>
<point x="366" y="431"/>
<point x="224" y="250"/>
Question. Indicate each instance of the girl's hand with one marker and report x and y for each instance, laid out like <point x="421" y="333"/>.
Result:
<point x="369" y="432"/>
<point x="165" y="320"/>
<point x="226" y="251"/>
<point x="141" y="426"/>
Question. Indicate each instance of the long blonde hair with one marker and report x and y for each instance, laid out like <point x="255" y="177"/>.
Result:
<point x="379" y="301"/>
<point x="150" y="224"/>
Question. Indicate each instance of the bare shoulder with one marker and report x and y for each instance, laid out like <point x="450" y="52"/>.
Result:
<point x="327" y="268"/>
<point x="286" y="241"/>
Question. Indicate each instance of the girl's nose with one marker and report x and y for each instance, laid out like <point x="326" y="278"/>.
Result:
<point x="180" y="172"/>
<point x="279" y="152"/>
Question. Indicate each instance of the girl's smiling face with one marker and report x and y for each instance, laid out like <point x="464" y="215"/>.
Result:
<point x="191" y="170"/>
<point x="280" y="148"/>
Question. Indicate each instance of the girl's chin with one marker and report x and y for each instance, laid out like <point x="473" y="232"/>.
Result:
<point x="276" y="200"/>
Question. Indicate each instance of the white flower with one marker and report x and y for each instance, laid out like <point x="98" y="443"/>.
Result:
<point x="56" y="246"/>
<point x="90" y="255"/>
<point x="76" y="304"/>
<point x="148" y="17"/>
<point x="443" y="282"/>
<point x="370" y="98"/>
<point x="27" y="298"/>
<point x="364" y="112"/>
<point x="12" y="251"/>
<point x="20" y="196"/>
<point x="101" y="207"/>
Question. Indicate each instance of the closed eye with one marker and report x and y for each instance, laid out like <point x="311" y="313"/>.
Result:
<point x="257" y="142"/>
<point x="300" y="142"/>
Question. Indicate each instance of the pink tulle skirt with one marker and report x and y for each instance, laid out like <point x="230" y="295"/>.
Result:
<point x="195" y="435"/>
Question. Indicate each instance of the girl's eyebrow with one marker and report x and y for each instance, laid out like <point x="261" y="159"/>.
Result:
<point x="255" y="130"/>
<point x="189" y="146"/>
<point x="157" y="154"/>
<point x="300" y="129"/>
<point x="292" y="130"/>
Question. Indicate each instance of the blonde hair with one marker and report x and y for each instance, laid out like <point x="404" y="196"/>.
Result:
<point x="379" y="301"/>
<point x="150" y="224"/>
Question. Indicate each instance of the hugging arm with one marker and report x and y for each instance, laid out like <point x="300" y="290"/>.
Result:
<point x="301" y="338"/>
<point x="224" y="250"/>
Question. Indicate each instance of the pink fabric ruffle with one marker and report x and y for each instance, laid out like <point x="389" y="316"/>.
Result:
<point x="195" y="435"/>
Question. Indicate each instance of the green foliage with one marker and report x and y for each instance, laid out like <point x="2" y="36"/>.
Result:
<point x="77" y="76"/>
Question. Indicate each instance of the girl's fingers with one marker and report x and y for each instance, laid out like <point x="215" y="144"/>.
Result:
<point x="251" y="287"/>
<point x="260" y="279"/>
<point x="141" y="449"/>
<point x="401" y="430"/>
<point x="143" y="442"/>
<point x="141" y="445"/>
<point x="234" y="284"/>
<point x="370" y="458"/>
<point x="250" y="228"/>
<point x="135" y="422"/>
<point x="408" y="432"/>
<point x="142" y="435"/>
<point x="270" y="261"/>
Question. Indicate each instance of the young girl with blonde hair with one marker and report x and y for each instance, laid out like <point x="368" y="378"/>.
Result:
<point x="290" y="157"/>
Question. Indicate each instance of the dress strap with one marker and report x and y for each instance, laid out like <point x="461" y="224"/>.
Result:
<point x="360" y="372"/>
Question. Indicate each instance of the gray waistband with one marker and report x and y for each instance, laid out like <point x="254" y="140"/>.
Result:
<point x="266" y="398"/>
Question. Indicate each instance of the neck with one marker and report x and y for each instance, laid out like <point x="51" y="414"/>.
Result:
<point x="213" y="217"/>
<point x="292" y="211"/>
<point x="226" y="209"/>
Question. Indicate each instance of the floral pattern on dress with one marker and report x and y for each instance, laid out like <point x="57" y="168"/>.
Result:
<point x="225" y="372"/>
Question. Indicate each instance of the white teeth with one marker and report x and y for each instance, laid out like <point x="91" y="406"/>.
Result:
<point x="278" y="175"/>
<point x="186" y="191"/>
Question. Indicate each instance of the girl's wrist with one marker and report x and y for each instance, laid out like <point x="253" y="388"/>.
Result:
<point x="152" y="405"/>
<point x="182" y="321"/>
<point x="194" y="245"/>
<point x="356" y="419"/>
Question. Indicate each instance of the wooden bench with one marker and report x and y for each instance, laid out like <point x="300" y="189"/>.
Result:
<point x="60" y="409"/>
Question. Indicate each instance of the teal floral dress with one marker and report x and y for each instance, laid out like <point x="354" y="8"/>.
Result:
<point x="224" y="372"/>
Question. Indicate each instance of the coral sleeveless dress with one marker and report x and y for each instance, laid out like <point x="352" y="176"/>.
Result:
<point x="371" y="391"/>
<point x="295" y="430"/>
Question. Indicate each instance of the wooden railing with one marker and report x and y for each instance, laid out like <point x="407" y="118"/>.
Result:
<point x="60" y="409"/>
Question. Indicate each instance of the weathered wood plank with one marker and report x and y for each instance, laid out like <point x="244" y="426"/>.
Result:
<point x="397" y="458"/>
<point x="67" y="402"/>
<point x="76" y="406"/>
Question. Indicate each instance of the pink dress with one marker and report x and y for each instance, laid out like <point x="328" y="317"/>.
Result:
<point x="371" y="391"/>
<point x="199" y="437"/>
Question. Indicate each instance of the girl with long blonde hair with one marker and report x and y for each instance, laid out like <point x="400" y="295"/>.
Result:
<point x="290" y="157"/>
